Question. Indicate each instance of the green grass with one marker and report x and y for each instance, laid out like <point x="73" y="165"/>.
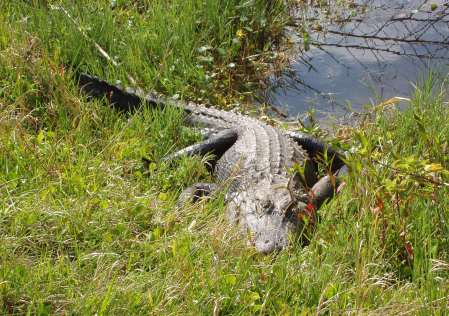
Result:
<point x="85" y="229"/>
<point x="211" y="50"/>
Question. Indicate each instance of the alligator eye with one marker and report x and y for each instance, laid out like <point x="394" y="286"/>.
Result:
<point x="291" y="211"/>
<point x="268" y="206"/>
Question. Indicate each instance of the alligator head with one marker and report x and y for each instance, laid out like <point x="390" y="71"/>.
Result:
<point x="269" y="212"/>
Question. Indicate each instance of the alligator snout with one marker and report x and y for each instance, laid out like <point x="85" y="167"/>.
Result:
<point x="272" y="233"/>
<point x="268" y="213"/>
<point x="268" y="244"/>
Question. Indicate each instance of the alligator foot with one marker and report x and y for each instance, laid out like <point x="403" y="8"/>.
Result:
<point x="193" y="193"/>
<point x="326" y="187"/>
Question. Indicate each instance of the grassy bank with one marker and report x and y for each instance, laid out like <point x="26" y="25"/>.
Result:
<point x="85" y="229"/>
<point x="206" y="50"/>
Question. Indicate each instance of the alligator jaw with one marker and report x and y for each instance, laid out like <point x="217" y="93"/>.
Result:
<point x="273" y="236"/>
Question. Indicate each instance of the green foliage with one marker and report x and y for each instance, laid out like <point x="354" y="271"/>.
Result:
<point x="206" y="50"/>
<point x="395" y="202"/>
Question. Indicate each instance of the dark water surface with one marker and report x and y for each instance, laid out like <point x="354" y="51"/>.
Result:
<point x="374" y="53"/>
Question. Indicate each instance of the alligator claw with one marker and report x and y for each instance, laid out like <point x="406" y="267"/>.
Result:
<point x="193" y="193"/>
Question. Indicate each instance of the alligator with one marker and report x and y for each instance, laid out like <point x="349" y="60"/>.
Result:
<point x="252" y="159"/>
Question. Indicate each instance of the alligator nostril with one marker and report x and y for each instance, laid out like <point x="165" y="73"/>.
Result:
<point x="265" y="245"/>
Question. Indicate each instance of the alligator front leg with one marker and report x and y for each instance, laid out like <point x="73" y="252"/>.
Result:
<point x="216" y="145"/>
<point x="193" y="193"/>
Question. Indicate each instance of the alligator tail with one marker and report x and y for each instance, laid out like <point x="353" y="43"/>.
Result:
<point x="122" y="99"/>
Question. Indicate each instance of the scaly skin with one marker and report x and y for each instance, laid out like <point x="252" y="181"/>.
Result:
<point x="264" y="197"/>
<point x="263" y="194"/>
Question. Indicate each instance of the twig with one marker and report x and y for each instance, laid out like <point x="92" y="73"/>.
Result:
<point x="387" y="38"/>
<point x="386" y="50"/>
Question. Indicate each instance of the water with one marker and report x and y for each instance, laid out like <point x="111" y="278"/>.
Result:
<point x="375" y="51"/>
